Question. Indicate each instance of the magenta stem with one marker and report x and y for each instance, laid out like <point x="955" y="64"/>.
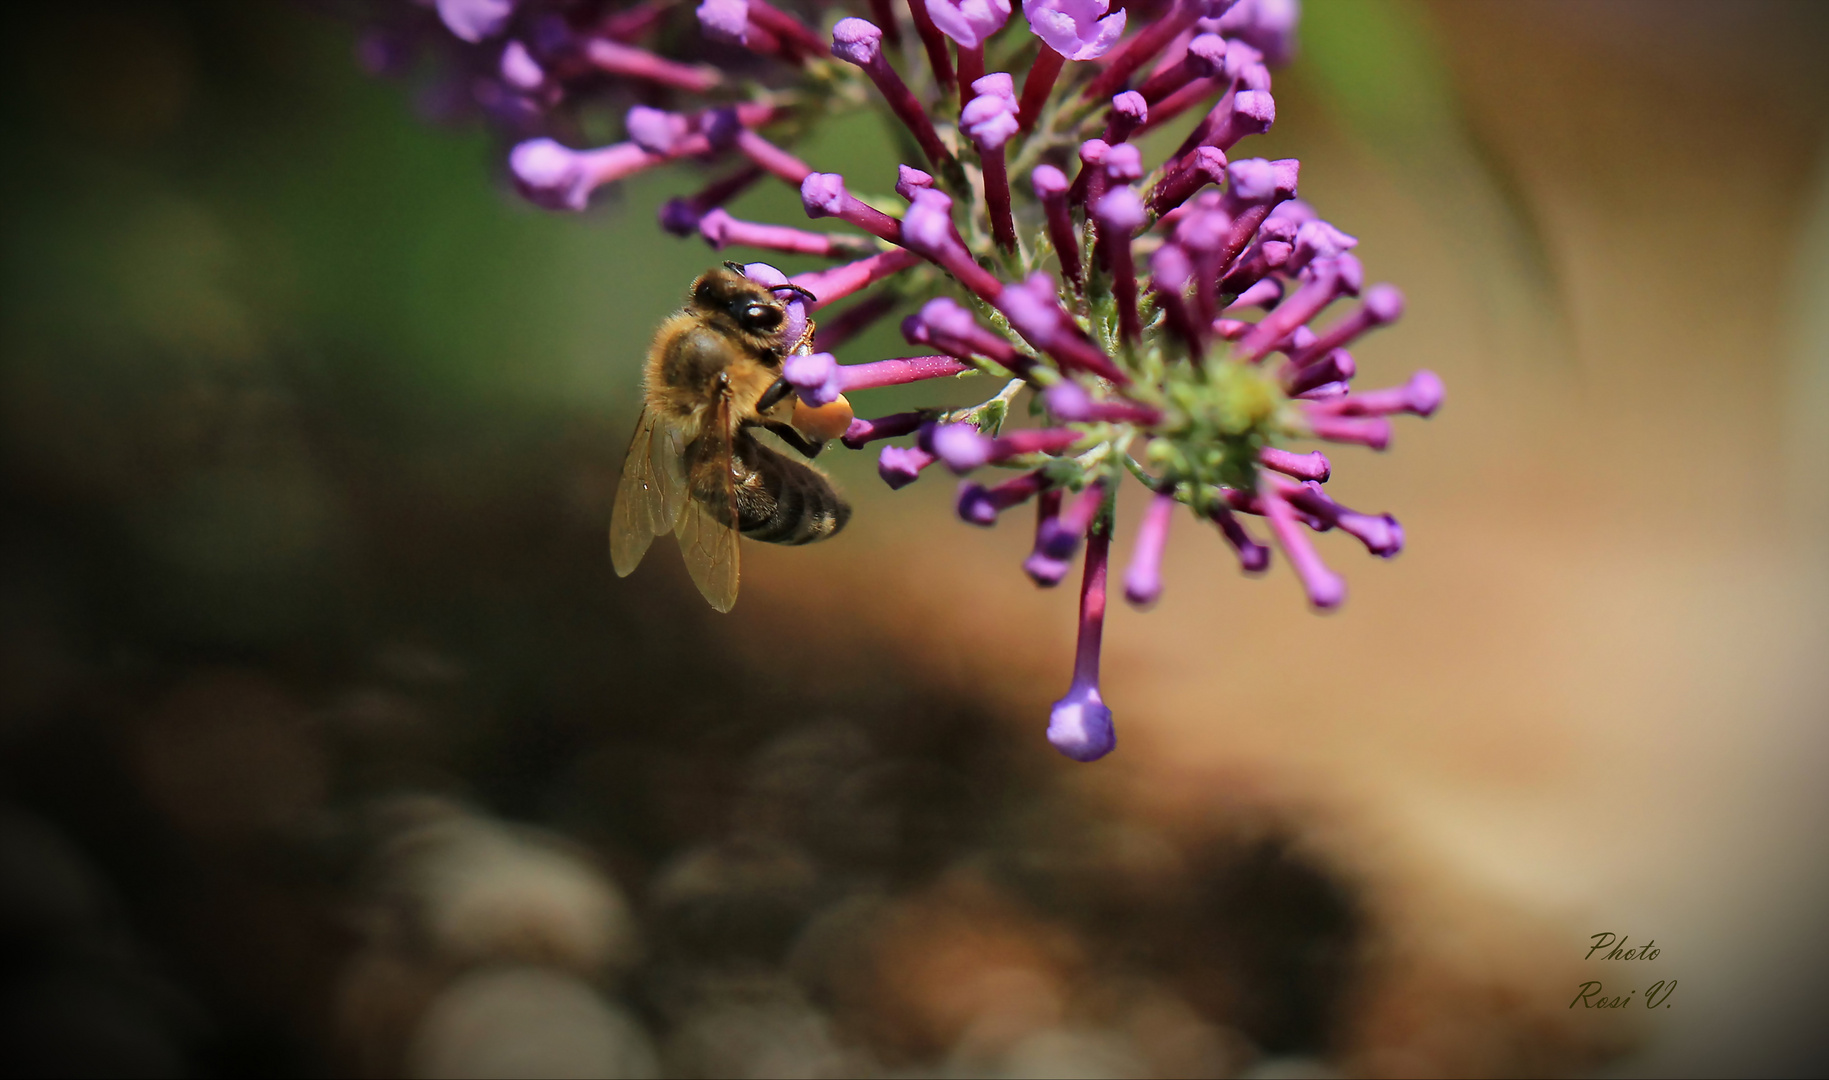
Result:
<point x="632" y="62"/>
<point x="1324" y="587"/>
<point x="1066" y="240"/>
<point x="1140" y="50"/>
<point x="1037" y="86"/>
<point x="997" y="197"/>
<point x="934" y="42"/>
<point x="1253" y="557"/>
<point x="971" y="69"/>
<point x="1310" y="466"/>
<point x="786" y="27"/>
<point x="883" y="14"/>
<point x="841" y="281"/>
<point x="883" y="427"/>
<point x="899" y="370"/>
<point x="1321" y="290"/>
<point x="1092" y="608"/>
<point x="772" y="157"/>
<point x="853" y="320"/>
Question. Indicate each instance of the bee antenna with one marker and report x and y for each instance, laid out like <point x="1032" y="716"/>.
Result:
<point x="735" y="268"/>
<point x="793" y="288"/>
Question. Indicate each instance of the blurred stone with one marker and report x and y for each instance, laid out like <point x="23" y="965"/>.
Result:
<point x="773" y="1034"/>
<point x="513" y="1022"/>
<point x="471" y="890"/>
<point x="229" y="754"/>
<point x="1073" y="1055"/>
<point x="737" y="900"/>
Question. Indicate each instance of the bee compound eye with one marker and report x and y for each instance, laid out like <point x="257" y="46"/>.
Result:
<point x="762" y="316"/>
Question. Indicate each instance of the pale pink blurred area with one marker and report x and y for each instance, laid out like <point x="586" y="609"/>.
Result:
<point x="1590" y="695"/>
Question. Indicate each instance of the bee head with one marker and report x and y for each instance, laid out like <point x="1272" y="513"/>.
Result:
<point x="749" y="305"/>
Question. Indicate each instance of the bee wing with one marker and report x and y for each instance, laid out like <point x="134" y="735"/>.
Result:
<point x="649" y="495"/>
<point x="709" y="544"/>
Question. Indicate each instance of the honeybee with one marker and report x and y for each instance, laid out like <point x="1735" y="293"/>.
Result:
<point x="695" y="467"/>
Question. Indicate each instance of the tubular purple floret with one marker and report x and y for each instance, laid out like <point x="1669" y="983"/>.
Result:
<point x="979" y="505"/>
<point x="859" y="41"/>
<point x="1070" y="401"/>
<point x="475" y="20"/>
<point x="1337" y="366"/>
<point x="1316" y="240"/>
<point x="1373" y="432"/>
<point x="1311" y="466"/>
<point x="1325" y="588"/>
<point x="1422" y="395"/>
<point x="1266" y="292"/>
<point x="970" y="23"/>
<point x="1079" y="724"/>
<point x="825" y="195"/>
<point x="1092" y="157"/>
<point x="909" y="180"/>
<point x="1143" y="580"/>
<point x="1206" y="165"/>
<point x="1205" y="57"/>
<point x="1268" y="25"/>
<point x="883" y="427"/>
<point x="1075" y="29"/>
<point x="1170" y="270"/>
<point x="1328" y="281"/>
<point x="1037" y="85"/>
<point x="946" y="325"/>
<point x="819" y="378"/>
<point x="1035" y="312"/>
<point x="559" y="178"/>
<point x="964" y="448"/>
<point x="725" y="20"/>
<point x="1044" y="569"/>
<point x="632" y="62"/>
<point x="1119" y="213"/>
<point x="900" y="466"/>
<point x="933" y="42"/>
<point x="1129" y="113"/>
<point x="519" y="69"/>
<point x="786" y="27"/>
<point x="1325" y="392"/>
<point x="1060" y="538"/>
<point x="772" y="157"/>
<point x="721" y="230"/>
<point x="1381" y="534"/>
<point x="1253" y="557"/>
<point x="1383" y="305"/>
<point x="990" y="119"/>
<point x="681" y="216"/>
<point x="1051" y="189"/>
<point x="833" y="285"/>
<point x="1148" y="42"/>
<point x="927" y="230"/>
<point x="854" y="320"/>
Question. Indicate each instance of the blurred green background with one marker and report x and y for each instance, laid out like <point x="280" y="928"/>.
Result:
<point x="327" y="737"/>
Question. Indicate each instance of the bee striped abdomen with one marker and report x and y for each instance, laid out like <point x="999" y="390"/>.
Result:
<point x="780" y="501"/>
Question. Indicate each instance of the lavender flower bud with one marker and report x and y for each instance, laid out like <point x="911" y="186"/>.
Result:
<point x="900" y="466"/>
<point x="857" y="41"/>
<point x="475" y="20"/>
<point x="815" y="377"/>
<point x="1143" y="581"/>
<point x="961" y="446"/>
<point x="1077" y="29"/>
<point x="655" y="130"/>
<point x="518" y="68"/>
<point x="1079" y="724"/>
<point x="560" y="178"/>
<point x="969" y="22"/>
<point x="909" y="180"/>
<point x="1268" y="25"/>
<point x="725" y="20"/>
<point x="990" y="118"/>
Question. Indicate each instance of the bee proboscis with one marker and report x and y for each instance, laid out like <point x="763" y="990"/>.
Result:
<point x="695" y="467"/>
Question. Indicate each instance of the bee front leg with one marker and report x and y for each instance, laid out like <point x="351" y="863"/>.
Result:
<point x="800" y="443"/>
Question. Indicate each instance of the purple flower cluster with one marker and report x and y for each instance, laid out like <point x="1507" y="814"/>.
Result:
<point x="1168" y="318"/>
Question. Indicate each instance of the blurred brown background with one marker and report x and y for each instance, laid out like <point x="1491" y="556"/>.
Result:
<point x="328" y="742"/>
